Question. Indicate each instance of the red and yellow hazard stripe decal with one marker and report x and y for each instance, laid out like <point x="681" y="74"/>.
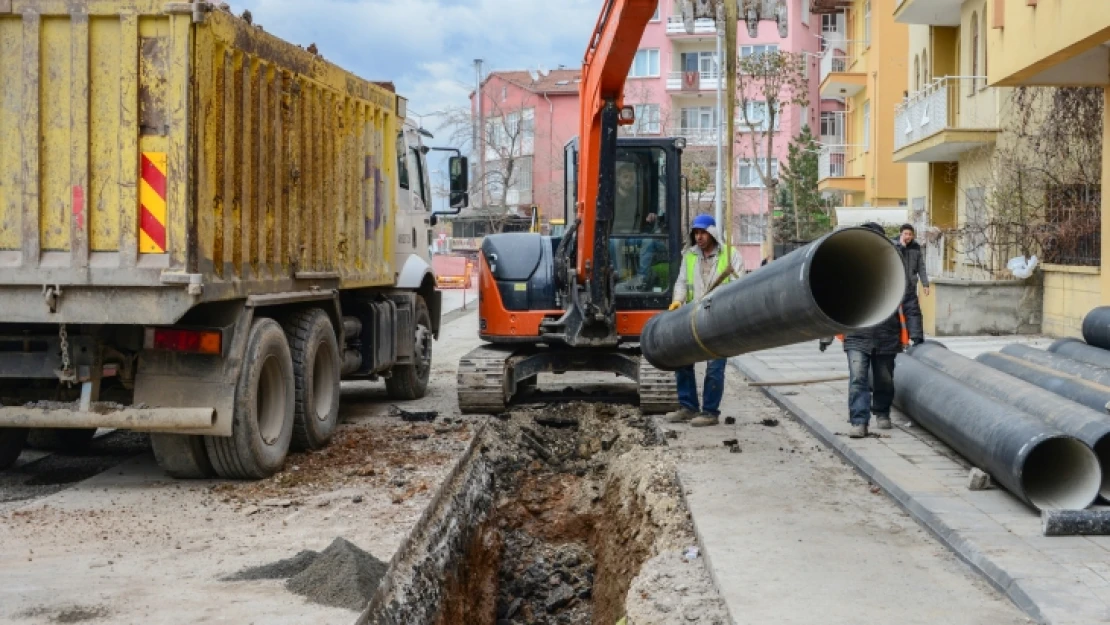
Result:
<point x="152" y="204"/>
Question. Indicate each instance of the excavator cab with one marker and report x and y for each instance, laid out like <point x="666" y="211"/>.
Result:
<point x="646" y="240"/>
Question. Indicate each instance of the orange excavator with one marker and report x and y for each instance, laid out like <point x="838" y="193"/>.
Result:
<point x="578" y="302"/>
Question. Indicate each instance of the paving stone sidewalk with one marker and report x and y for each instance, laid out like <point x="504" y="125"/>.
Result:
<point x="1059" y="580"/>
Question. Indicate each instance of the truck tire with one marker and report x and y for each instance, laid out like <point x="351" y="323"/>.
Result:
<point x="316" y="370"/>
<point x="11" y="444"/>
<point x="60" y="439"/>
<point x="411" y="381"/>
<point x="262" y="426"/>
<point x="182" y="456"/>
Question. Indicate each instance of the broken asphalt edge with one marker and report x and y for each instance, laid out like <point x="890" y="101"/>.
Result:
<point x="947" y="535"/>
<point x="659" y="430"/>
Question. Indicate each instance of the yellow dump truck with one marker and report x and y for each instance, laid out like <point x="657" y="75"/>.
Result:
<point x="203" y="228"/>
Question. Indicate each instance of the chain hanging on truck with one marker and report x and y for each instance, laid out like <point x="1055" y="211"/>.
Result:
<point x="66" y="374"/>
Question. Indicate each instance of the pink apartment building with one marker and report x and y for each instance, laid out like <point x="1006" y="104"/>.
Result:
<point x="673" y="86"/>
<point x="529" y="116"/>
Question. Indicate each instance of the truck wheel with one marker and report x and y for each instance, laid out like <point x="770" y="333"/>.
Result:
<point x="60" y="439"/>
<point x="316" y="374"/>
<point x="11" y="443"/>
<point x="411" y="381"/>
<point x="262" y="426"/>
<point x="182" y="456"/>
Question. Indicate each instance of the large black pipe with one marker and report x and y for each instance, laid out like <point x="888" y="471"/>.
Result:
<point x="1096" y="327"/>
<point x="1090" y="426"/>
<point x="1036" y="462"/>
<point x="1094" y="396"/>
<point x="846" y="280"/>
<point x="1059" y="363"/>
<point x="1078" y="350"/>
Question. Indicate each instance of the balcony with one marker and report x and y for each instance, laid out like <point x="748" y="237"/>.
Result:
<point x="951" y="116"/>
<point x="838" y="169"/>
<point x="695" y="136"/>
<point x="841" y="75"/>
<point x="677" y="27"/>
<point x="693" y="81"/>
<point x="928" y="12"/>
<point x="829" y="6"/>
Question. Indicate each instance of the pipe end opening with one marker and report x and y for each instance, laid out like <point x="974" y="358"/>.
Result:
<point x="857" y="277"/>
<point x="1062" y="473"/>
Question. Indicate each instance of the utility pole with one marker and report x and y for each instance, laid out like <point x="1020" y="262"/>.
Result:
<point x="479" y="132"/>
<point x="731" y="15"/>
<point x="718" y="182"/>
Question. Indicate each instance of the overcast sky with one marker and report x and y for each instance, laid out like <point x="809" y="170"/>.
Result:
<point x="428" y="47"/>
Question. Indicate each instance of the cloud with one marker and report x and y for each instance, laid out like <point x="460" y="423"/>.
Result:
<point x="427" y="47"/>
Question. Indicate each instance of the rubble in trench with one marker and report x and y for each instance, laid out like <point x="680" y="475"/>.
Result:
<point x="587" y="526"/>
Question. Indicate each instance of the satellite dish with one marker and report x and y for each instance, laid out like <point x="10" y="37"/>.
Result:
<point x="544" y="71"/>
<point x="535" y="76"/>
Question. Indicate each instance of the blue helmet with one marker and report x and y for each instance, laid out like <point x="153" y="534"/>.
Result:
<point x="703" y="222"/>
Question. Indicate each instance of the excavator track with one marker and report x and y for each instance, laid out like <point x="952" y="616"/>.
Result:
<point x="481" y="380"/>
<point x="658" y="392"/>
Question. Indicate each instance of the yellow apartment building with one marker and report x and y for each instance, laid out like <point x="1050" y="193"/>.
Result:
<point x="1058" y="43"/>
<point x="864" y="66"/>
<point x="945" y="133"/>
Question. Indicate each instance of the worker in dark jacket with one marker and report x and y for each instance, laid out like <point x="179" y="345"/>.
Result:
<point x="871" y="353"/>
<point x="914" y="258"/>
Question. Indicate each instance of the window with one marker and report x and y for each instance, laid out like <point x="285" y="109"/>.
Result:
<point x="832" y="125"/>
<point x="416" y="169"/>
<point x="655" y="18"/>
<point x="504" y="93"/>
<point x="704" y="62"/>
<point x="698" y="118"/>
<point x="747" y="176"/>
<point x="867" y="126"/>
<point x="986" y="48"/>
<point x="514" y="132"/>
<point x="805" y="12"/>
<point x="926" y="75"/>
<point x="402" y="162"/>
<point x="916" y="73"/>
<point x="646" y="64"/>
<point x="757" y="116"/>
<point x="867" y="23"/>
<point x="751" y="229"/>
<point x="974" y="47"/>
<point x="830" y="28"/>
<point x="647" y="119"/>
<point x="756" y="51"/>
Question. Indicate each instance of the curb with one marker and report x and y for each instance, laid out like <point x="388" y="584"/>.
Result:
<point x="948" y="536"/>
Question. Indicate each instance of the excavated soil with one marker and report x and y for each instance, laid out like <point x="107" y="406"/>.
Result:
<point x="588" y="526"/>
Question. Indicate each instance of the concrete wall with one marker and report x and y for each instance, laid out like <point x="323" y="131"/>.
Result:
<point x="1069" y="294"/>
<point x="965" y="307"/>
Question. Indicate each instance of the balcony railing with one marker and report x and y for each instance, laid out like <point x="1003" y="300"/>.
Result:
<point x="949" y="103"/>
<point x="695" y="136"/>
<point x="836" y="161"/>
<point x="675" y="26"/>
<point x="705" y="81"/>
<point x="838" y="56"/>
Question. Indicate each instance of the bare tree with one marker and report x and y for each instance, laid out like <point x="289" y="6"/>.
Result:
<point x="768" y="82"/>
<point x="509" y="143"/>
<point x="1041" y="193"/>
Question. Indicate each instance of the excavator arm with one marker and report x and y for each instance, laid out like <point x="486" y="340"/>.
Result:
<point x="605" y="68"/>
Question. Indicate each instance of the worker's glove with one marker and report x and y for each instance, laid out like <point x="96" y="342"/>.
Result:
<point x="675" y="305"/>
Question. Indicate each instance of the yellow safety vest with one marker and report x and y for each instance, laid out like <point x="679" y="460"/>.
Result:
<point x="724" y="256"/>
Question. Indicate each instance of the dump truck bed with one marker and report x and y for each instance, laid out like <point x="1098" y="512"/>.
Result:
<point x="162" y="155"/>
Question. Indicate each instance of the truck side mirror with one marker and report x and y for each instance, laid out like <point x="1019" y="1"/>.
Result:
<point x="460" y="181"/>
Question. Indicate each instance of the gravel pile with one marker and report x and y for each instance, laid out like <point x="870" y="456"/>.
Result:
<point x="341" y="576"/>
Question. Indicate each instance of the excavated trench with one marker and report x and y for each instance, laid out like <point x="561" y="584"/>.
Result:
<point x="558" y="512"/>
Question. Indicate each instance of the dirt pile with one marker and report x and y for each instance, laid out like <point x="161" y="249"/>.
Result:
<point x="341" y="576"/>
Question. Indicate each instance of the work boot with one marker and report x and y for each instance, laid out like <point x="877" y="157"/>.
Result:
<point x="859" y="430"/>
<point x="682" y="415"/>
<point x="883" y="422"/>
<point x="705" y="419"/>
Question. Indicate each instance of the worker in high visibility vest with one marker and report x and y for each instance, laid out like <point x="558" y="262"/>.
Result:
<point x="704" y="264"/>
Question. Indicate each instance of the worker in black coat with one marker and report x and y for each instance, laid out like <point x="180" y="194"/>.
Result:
<point x="871" y="353"/>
